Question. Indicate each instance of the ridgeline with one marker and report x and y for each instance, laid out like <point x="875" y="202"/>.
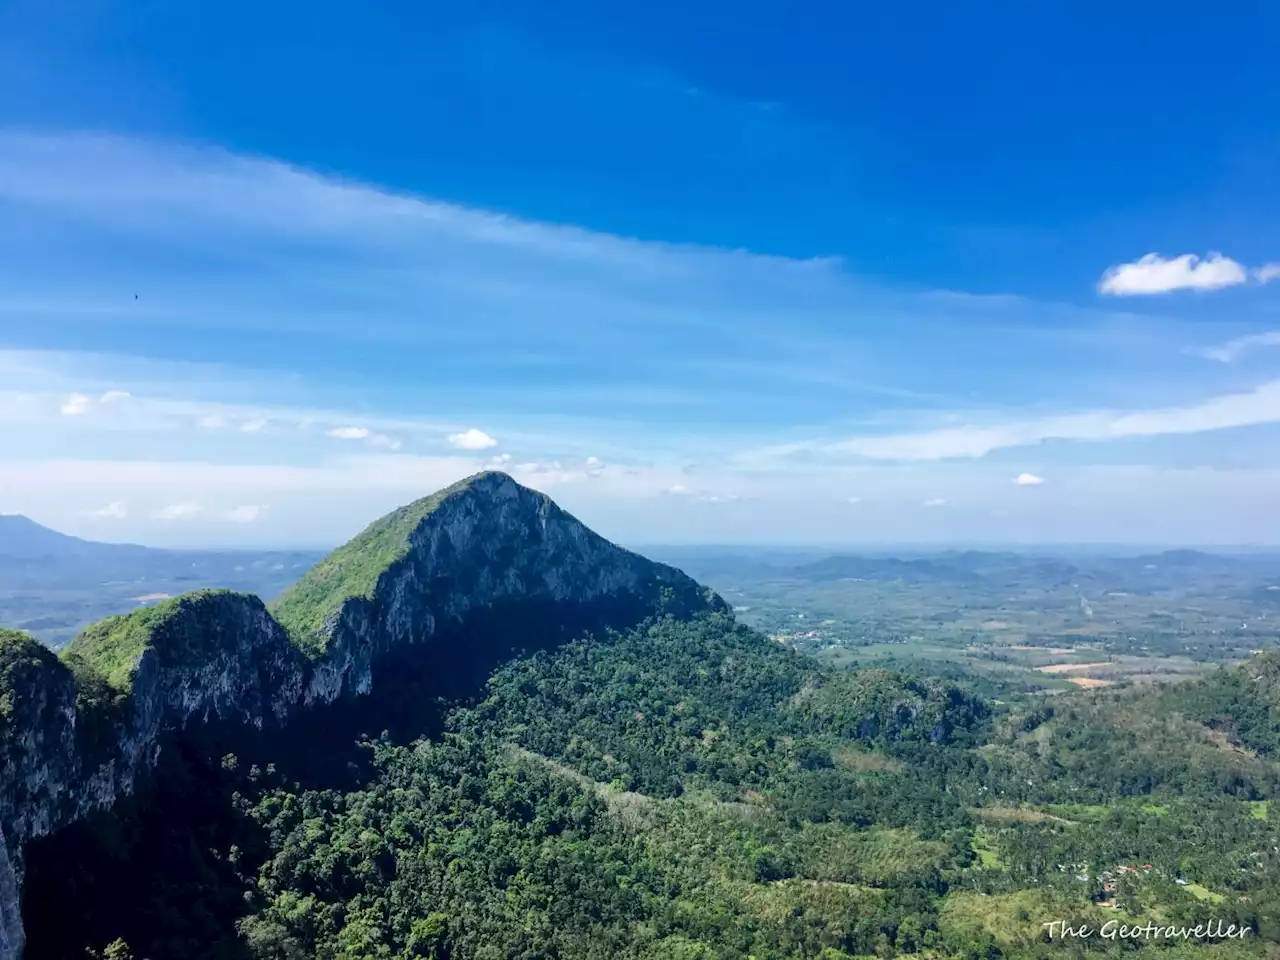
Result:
<point x="432" y="581"/>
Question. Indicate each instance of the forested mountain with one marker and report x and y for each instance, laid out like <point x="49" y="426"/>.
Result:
<point x="430" y="597"/>
<point x="481" y="731"/>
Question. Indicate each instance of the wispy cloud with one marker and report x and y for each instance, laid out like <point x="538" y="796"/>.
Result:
<point x="150" y="181"/>
<point x="78" y="404"/>
<point x="1028" y="480"/>
<point x="1257" y="406"/>
<point x="1232" y="350"/>
<point x="45" y="402"/>
<point x="178" y="511"/>
<point x="935" y="502"/>
<point x="349" y="433"/>
<point x="380" y="440"/>
<point x="115" y="510"/>
<point x="407" y="295"/>
<point x="246" y="514"/>
<point x="566" y="304"/>
<point x="326" y="503"/>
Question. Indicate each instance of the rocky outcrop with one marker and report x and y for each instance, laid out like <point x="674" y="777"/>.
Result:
<point x="76" y="731"/>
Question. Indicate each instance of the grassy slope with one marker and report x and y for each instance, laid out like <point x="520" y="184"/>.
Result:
<point x="353" y="570"/>
<point x="112" y="647"/>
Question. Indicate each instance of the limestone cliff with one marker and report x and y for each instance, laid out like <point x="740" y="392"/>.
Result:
<point x="76" y="731"/>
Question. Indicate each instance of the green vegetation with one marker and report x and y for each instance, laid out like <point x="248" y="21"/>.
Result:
<point x="692" y="789"/>
<point x="353" y="570"/>
<point x="1007" y="624"/>
<point x="25" y="664"/>
<point x="175" y="628"/>
<point x="114" y="646"/>
<point x="1159" y="742"/>
<point x="689" y="788"/>
<point x="1243" y="706"/>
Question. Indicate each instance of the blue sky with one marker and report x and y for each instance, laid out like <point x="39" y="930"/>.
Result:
<point x="754" y="273"/>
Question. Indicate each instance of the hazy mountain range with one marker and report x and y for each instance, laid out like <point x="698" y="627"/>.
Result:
<point x="52" y="585"/>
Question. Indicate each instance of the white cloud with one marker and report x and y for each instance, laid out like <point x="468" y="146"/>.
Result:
<point x="178" y="511"/>
<point x="379" y="440"/>
<point x="935" y="502"/>
<point x="115" y="510"/>
<point x="45" y="404"/>
<point x="854" y="500"/>
<point x="547" y="289"/>
<point x="1232" y="350"/>
<point x="1028" y="480"/>
<point x="681" y="490"/>
<point x="246" y="514"/>
<point x="326" y="503"/>
<point x="472" y="439"/>
<point x="1153" y="274"/>
<point x="76" y="405"/>
<point x="349" y="433"/>
<point x="1258" y="406"/>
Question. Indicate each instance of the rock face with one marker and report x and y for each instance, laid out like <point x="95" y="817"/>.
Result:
<point x="76" y="731"/>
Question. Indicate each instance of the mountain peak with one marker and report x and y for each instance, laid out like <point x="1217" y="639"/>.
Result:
<point x="443" y="587"/>
<point x="484" y="535"/>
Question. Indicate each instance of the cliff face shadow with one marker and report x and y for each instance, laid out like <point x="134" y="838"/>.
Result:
<point x="182" y="846"/>
<point x="155" y="869"/>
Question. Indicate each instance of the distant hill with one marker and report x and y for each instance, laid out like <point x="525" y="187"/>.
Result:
<point x="52" y="585"/>
<point x="881" y="568"/>
<point x="21" y="538"/>
<point x="1151" y="573"/>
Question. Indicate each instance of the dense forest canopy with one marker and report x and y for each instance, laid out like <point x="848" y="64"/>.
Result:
<point x="692" y="789"/>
